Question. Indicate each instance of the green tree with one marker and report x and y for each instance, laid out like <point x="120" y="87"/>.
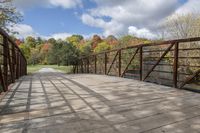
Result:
<point x="39" y="41"/>
<point x="51" y="41"/>
<point x="70" y="54"/>
<point x="103" y="46"/>
<point x="63" y="53"/>
<point x="54" y="54"/>
<point x="86" y="48"/>
<point x="182" y="26"/>
<point x="31" y="41"/>
<point x="25" y="50"/>
<point x="75" y="40"/>
<point x="8" y="14"/>
<point x="34" y="56"/>
<point x="125" y="41"/>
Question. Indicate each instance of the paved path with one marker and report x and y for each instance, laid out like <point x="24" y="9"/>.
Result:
<point x="52" y="102"/>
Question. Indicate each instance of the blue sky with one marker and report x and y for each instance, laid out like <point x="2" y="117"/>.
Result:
<point x="56" y="19"/>
<point x="62" y="18"/>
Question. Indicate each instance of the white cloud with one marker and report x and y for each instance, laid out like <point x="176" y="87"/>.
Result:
<point x="25" y="4"/>
<point x="66" y="3"/>
<point x="143" y="33"/>
<point x="190" y="6"/>
<point x="111" y="27"/>
<point x="139" y="17"/>
<point x="126" y="13"/>
<point x="57" y="36"/>
<point x="23" y="30"/>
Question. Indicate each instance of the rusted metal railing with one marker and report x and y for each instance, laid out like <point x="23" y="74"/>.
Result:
<point x="174" y="63"/>
<point x="12" y="62"/>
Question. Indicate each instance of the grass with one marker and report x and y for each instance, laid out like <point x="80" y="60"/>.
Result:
<point x="35" y="68"/>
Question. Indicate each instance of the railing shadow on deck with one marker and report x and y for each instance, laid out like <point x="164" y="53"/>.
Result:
<point x="173" y="63"/>
<point x="12" y="61"/>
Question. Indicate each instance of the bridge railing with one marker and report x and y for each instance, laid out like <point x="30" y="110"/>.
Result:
<point x="174" y="63"/>
<point x="12" y="61"/>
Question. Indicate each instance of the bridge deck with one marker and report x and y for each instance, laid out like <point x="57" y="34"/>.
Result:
<point x="49" y="101"/>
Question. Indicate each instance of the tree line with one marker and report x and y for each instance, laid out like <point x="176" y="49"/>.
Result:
<point x="66" y="52"/>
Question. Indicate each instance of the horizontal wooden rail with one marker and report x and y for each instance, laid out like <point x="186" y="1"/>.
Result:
<point x="12" y="61"/>
<point x="173" y="60"/>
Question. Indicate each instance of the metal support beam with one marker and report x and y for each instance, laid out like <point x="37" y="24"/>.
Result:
<point x="190" y="78"/>
<point x="132" y="58"/>
<point x="175" y="66"/>
<point x="141" y="62"/>
<point x="119" y="59"/>
<point x="105" y="63"/>
<point x="114" y="59"/>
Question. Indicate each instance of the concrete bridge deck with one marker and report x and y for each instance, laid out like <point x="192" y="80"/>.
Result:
<point x="52" y="102"/>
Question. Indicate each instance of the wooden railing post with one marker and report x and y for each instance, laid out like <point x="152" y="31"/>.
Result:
<point x="141" y="62"/>
<point x="119" y="59"/>
<point x="175" y="65"/>
<point x="5" y="62"/>
<point x="105" y="59"/>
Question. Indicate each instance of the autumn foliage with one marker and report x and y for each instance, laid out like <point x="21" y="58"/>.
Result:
<point x="65" y="52"/>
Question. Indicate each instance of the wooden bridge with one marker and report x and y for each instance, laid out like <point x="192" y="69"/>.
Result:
<point x="98" y="99"/>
